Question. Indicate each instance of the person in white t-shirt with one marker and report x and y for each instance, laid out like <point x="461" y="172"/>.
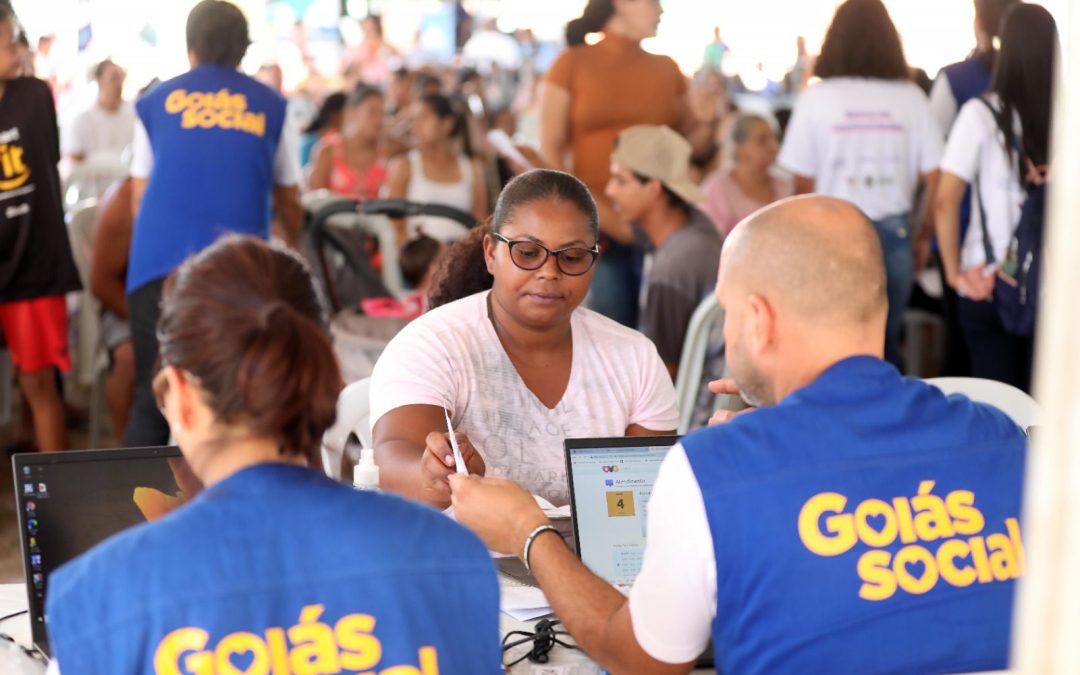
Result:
<point x="104" y="130"/>
<point x="521" y="367"/>
<point x="866" y="134"/>
<point x="980" y="153"/>
<point x="438" y="171"/>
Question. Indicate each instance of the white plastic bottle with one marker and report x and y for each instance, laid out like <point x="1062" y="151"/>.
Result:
<point x="366" y="473"/>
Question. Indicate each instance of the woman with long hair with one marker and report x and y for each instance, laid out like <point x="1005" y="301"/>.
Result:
<point x="588" y="97"/>
<point x="329" y="118"/>
<point x="865" y="133"/>
<point x="440" y="169"/>
<point x="982" y="152"/>
<point x="271" y="548"/>
<point x="352" y="162"/>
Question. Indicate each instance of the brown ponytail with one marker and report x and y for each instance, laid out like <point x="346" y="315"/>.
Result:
<point x="592" y="20"/>
<point x="244" y="318"/>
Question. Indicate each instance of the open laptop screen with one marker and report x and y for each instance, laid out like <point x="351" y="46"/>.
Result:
<point x="611" y="480"/>
<point x="70" y="501"/>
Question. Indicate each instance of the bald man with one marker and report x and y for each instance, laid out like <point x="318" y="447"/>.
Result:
<point x="856" y="521"/>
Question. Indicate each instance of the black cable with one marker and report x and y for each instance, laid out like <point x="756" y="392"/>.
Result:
<point x="544" y="639"/>
<point x="13" y="615"/>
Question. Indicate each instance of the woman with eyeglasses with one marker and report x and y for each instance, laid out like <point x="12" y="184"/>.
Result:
<point x="520" y="367"/>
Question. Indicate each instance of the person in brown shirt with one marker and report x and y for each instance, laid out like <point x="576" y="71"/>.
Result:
<point x="590" y="95"/>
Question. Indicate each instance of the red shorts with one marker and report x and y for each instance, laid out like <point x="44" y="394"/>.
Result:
<point x="36" y="333"/>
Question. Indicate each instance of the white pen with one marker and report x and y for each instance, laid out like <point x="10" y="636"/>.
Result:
<point x="459" y="461"/>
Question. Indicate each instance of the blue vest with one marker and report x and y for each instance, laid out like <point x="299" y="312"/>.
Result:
<point x="278" y="565"/>
<point x="214" y="134"/>
<point x="867" y="524"/>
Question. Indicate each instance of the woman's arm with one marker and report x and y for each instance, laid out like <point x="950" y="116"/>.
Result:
<point x="554" y="104"/>
<point x="949" y="194"/>
<point x="480" y="193"/>
<point x="638" y="430"/>
<point x="320" y="167"/>
<point x="397" y="186"/>
<point x="412" y="451"/>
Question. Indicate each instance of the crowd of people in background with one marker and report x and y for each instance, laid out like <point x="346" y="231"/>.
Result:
<point x="584" y="212"/>
<point x="862" y="130"/>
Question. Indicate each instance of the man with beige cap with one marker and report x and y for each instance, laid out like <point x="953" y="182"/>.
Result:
<point x="650" y="186"/>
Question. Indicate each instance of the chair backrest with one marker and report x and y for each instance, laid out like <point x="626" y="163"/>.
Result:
<point x="1015" y="403"/>
<point x="692" y="361"/>
<point x="87" y="324"/>
<point x="92" y="178"/>
<point x="353" y="418"/>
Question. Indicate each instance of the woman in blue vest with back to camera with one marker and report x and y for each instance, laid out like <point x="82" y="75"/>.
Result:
<point x="273" y="567"/>
<point x="212" y="153"/>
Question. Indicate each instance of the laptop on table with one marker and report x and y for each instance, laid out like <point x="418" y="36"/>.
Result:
<point x="68" y="502"/>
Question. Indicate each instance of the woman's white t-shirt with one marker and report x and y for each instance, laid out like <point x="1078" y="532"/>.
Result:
<point x="423" y="190"/>
<point x="863" y="140"/>
<point x="976" y="148"/>
<point x="452" y="358"/>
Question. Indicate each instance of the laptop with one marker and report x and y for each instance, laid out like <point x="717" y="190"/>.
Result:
<point x="611" y="480"/>
<point x="70" y="501"/>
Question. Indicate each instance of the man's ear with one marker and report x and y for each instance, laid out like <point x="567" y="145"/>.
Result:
<point x="761" y="324"/>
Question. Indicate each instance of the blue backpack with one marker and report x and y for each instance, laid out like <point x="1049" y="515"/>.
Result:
<point x="1016" y="291"/>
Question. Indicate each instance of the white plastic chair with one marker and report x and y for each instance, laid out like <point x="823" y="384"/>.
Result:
<point x="692" y="361"/>
<point x="90" y="359"/>
<point x="353" y="419"/>
<point x="91" y="178"/>
<point x="1023" y="409"/>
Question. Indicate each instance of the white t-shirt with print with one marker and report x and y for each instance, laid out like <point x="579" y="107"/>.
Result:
<point x="452" y="357"/>
<point x="976" y="148"/>
<point x="863" y="140"/>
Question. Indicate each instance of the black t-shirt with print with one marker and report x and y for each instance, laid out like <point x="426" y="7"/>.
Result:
<point x="35" y="255"/>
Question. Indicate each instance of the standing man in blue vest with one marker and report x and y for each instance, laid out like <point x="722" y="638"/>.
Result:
<point x="856" y="521"/>
<point x="212" y="154"/>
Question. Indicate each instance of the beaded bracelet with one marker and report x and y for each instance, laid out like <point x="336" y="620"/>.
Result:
<point x="529" y="542"/>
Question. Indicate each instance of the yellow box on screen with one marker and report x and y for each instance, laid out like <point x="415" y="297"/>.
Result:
<point x="620" y="504"/>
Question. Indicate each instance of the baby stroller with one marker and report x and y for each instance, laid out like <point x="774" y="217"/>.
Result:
<point x="337" y="241"/>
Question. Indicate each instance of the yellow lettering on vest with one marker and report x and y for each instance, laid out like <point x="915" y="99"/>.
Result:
<point x="174" y="645"/>
<point x="878" y="580"/>
<point x="241" y="644"/>
<point x="429" y="661"/>
<point x="915" y="555"/>
<point x="175" y="101"/>
<point x="1002" y="557"/>
<point x="361" y="649"/>
<point x="904" y="522"/>
<point x="947" y="554"/>
<point x="207" y="118"/>
<point x="982" y="564"/>
<point x="279" y="651"/>
<point x="314" y="650"/>
<point x="190" y="118"/>
<point x="931" y="517"/>
<point x="1012" y="526"/>
<point x="839" y="526"/>
<point x="966" y="518"/>
<point x="875" y="508"/>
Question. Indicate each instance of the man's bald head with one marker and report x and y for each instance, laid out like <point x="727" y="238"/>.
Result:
<point x="814" y="258"/>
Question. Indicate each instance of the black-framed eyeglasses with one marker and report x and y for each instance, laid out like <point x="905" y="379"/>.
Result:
<point x="528" y="255"/>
